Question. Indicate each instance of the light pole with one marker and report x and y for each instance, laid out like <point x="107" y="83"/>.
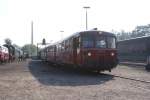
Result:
<point x="61" y="34"/>
<point x="86" y="7"/>
<point x="32" y="32"/>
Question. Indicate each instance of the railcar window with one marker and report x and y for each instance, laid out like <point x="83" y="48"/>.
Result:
<point x="67" y="45"/>
<point x="63" y="46"/>
<point x="70" y="44"/>
<point x="88" y="42"/>
<point x="111" y="42"/>
<point x="100" y="42"/>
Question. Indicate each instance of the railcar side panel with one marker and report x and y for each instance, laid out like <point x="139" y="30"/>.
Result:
<point x="77" y="51"/>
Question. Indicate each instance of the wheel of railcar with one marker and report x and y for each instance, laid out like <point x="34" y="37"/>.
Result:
<point x="97" y="71"/>
<point x="109" y="70"/>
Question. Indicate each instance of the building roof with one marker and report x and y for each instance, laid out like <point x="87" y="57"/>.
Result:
<point x="135" y="38"/>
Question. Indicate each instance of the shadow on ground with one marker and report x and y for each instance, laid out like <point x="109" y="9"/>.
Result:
<point x="49" y="74"/>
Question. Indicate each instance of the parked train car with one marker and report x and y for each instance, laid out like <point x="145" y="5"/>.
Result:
<point x="4" y="54"/>
<point x="94" y="50"/>
<point x="11" y="51"/>
<point x="135" y="49"/>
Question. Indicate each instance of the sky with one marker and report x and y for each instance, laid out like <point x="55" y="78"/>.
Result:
<point x="52" y="16"/>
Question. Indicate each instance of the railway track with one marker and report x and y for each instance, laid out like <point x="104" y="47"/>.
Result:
<point x="128" y="78"/>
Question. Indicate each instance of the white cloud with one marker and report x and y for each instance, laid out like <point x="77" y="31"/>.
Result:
<point x="52" y="16"/>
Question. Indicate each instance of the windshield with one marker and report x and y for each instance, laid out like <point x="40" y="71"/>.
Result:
<point x="87" y="42"/>
<point x="98" y="42"/>
<point x="105" y="42"/>
<point x="111" y="42"/>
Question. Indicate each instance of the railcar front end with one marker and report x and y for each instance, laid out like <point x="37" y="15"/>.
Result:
<point x="97" y="51"/>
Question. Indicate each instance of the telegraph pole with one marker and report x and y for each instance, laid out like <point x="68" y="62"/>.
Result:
<point x="61" y="34"/>
<point x="31" y="38"/>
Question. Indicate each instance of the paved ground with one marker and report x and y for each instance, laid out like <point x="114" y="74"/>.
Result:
<point x="35" y="80"/>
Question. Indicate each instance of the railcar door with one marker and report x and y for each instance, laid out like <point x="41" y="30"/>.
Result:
<point x="55" y="52"/>
<point x="74" y="50"/>
<point x="76" y="47"/>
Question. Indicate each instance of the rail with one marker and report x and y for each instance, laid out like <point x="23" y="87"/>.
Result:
<point x="128" y="78"/>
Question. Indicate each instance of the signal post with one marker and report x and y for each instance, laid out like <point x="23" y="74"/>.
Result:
<point x="43" y="43"/>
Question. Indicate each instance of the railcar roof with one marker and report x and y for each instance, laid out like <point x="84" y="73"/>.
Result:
<point x="81" y="32"/>
<point x="135" y="38"/>
<point x="76" y="34"/>
<point x="3" y="47"/>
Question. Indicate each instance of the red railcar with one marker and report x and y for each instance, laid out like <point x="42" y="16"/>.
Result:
<point x="94" y="50"/>
<point x="4" y="54"/>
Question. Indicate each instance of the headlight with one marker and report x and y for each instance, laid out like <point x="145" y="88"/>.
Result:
<point x="89" y="54"/>
<point x="112" y="54"/>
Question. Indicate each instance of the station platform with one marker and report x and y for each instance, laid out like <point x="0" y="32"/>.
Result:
<point x="133" y="63"/>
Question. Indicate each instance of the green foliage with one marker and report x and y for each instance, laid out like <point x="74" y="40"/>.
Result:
<point x="30" y="49"/>
<point x="139" y="31"/>
<point x="8" y="41"/>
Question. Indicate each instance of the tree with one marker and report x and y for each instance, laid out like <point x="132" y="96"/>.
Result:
<point x="30" y="49"/>
<point x="122" y="35"/>
<point x="139" y="31"/>
<point x="8" y="41"/>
